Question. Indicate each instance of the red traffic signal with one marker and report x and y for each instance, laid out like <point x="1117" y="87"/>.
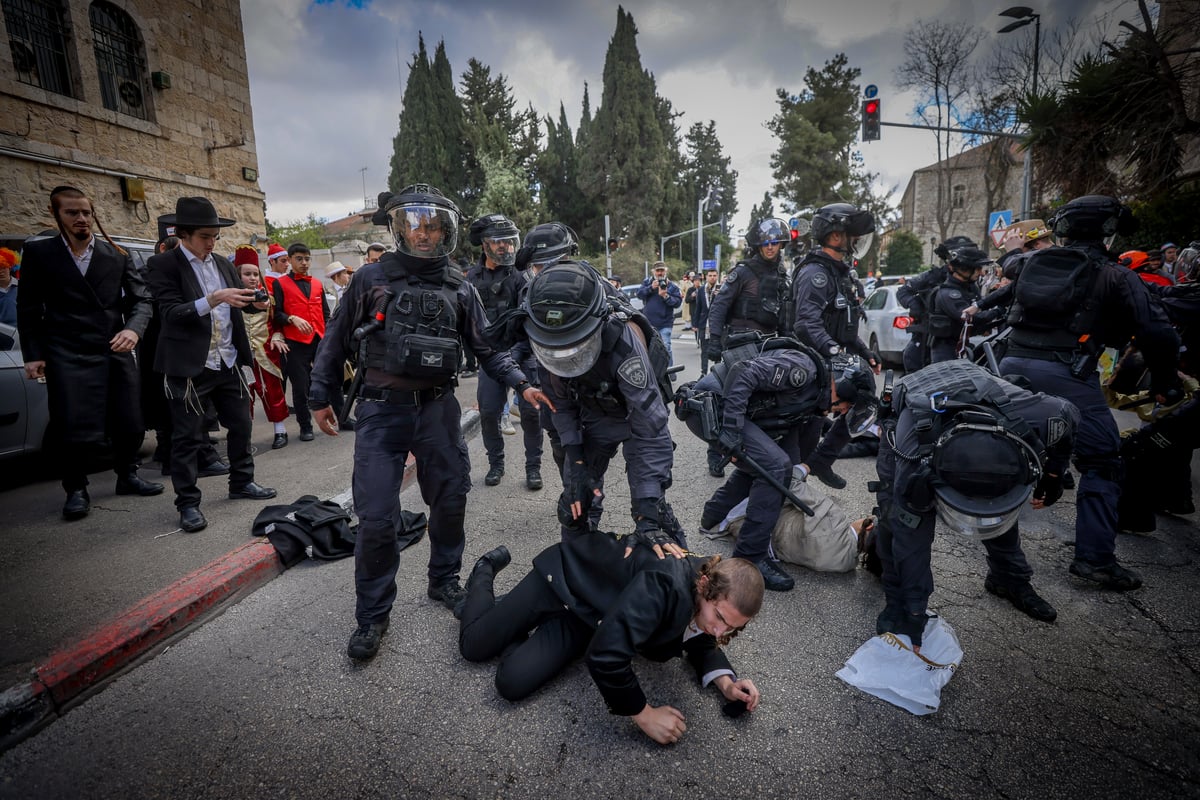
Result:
<point x="870" y="120"/>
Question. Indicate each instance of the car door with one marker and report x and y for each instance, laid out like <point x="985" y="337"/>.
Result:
<point x="14" y="411"/>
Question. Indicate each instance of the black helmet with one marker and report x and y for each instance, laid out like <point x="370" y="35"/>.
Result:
<point x="767" y="231"/>
<point x="547" y="243"/>
<point x="502" y="234"/>
<point x="1093" y="217"/>
<point x="423" y="221"/>
<point x="946" y="248"/>
<point x="983" y="473"/>
<point x="848" y="219"/>
<point x="969" y="258"/>
<point x="565" y="309"/>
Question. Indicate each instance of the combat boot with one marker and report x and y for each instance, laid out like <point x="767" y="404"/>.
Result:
<point x="774" y="578"/>
<point x="1110" y="576"/>
<point x="1023" y="597"/>
<point x="494" y="475"/>
<point x="827" y="476"/>
<point x="533" y="478"/>
<point x="448" y="592"/>
<point x="364" y="642"/>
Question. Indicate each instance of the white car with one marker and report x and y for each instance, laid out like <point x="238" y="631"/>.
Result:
<point x="886" y="328"/>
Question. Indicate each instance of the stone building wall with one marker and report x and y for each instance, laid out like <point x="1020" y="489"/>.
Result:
<point x="198" y="138"/>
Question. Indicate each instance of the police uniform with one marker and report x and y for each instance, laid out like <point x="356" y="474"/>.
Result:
<point x="1057" y="353"/>
<point x="753" y="298"/>
<point x="615" y="403"/>
<point x="407" y="404"/>
<point x="765" y="400"/>
<point x="911" y="294"/>
<point x="907" y="516"/>
<point x="500" y="291"/>
<point x="945" y="318"/>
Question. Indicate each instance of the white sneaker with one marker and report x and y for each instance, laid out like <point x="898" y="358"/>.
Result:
<point x="506" y="426"/>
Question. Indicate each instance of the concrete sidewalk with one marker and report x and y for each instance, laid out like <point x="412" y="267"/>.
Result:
<point x="82" y="667"/>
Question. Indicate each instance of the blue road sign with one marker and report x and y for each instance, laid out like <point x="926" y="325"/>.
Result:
<point x="709" y="263"/>
<point x="794" y="223"/>
<point x="998" y="221"/>
<point x="870" y="91"/>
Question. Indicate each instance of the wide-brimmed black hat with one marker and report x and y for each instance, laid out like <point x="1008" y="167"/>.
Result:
<point x="195" y="212"/>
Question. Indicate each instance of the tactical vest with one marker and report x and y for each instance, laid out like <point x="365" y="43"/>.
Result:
<point x="770" y="411"/>
<point x="942" y="326"/>
<point x="591" y="391"/>
<point x="767" y="306"/>
<point x="1057" y="285"/>
<point x="500" y="296"/>
<point x="420" y="336"/>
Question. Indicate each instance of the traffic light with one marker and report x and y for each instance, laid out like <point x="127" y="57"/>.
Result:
<point x="613" y="244"/>
<point x="870" y="120"/>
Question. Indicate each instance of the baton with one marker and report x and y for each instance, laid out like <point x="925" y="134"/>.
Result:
<point x="775" y="483"/>
<point x="991" y="359"/>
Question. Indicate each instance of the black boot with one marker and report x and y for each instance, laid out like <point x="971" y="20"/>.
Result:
<point x="533" y="478"/>
<point x="364" y="642"/>
<point x="77" y="506"/>
<point x="828" y="477"/>
<point x="1023" y="597"/>
<point x="494" y="475"/>
<point x="774" y="578"/>
<point x="130" y="483"/>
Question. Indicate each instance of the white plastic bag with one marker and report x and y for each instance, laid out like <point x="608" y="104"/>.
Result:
<point x="886" y="666"/>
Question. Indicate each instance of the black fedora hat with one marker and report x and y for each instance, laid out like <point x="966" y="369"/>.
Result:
<point x="195" y="212"/>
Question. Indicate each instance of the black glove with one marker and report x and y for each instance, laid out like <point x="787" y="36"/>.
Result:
<point x="912" y="626"/>
<point x="1049" y="488"/>
<point x="712" y="350"/>
<point x="647" y="524"/>
<point x="730" y="441"/>
<point x="873" y="359"/>
<point x="580" y="486"/>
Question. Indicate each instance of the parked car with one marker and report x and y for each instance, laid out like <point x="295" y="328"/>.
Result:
<point x="23" y="410"/>
<point x="886" y="328"/>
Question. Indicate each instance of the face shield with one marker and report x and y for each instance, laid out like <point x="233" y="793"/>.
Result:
<point x="569" y="361"/>
<point x="985" y="473"/>
<point x="772" y="232"/>
<point x="976" y="526"/>
<point x="502" y="250"/>
<point x="424" y="231"/>
<point x="861" y="245"/>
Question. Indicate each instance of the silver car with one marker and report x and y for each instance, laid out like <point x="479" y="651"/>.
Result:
<point x="886" y="328"/>
<point x="23" y="411"/>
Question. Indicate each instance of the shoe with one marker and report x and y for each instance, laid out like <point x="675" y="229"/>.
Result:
<point x="774" y="578"/>
<point x="306" y="434"/>
<point x="493" y="476"/>
<point x="514" y="410"/>
<point x="716" y="468"/>
<point x="1178" y="509"/>
<point x="1068" y="480"/>
<point x="77" y="506"/>
<point x="533" y="478"/>
<point x="346" y="426"/>
<point x="279" y="442"/>
<point x="132" y="484"/>
<point x="217" y="467"/>
<point x="1024" y="599"/>
<point x="191" y="520"/>
<point x="506" y="426"/>
<point x="449" y="593"/>
<point x="827" y="476"/>
<point x="498" y="559"/>
<point x="1110" y="576"/>
<point x="467" y="373"/>
<point x="251" y="491"/>
<point x="364" y="642"/>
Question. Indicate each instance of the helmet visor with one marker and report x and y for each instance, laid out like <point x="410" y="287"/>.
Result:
<point x="569" y="361"/>
<point x="861" y="245"/>
<point x="502" y="250"/>
<point x="772" y="231"/>
<point x="978" y="526"/>
<point x="424" y="231"/>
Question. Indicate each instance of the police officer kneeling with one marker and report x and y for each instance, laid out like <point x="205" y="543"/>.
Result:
<point x="974" y="448"/>
<point x="407" y="317"/>
<point x="762" y="403"/>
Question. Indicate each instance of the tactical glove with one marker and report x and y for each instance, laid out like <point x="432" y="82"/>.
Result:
<point x="712" y="350"/>
<point x="1049" y="488"/>
<point x="730" y="441"/>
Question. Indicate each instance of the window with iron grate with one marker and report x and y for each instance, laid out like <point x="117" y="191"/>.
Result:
<point x="39" y="38"/>
<point x="120" y="60"/>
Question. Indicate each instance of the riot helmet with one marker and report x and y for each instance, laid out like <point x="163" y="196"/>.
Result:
<point x="966" y="260"/>
<point x="983" y="474"/>
<point x="547" y="244"/>
<point x="763" y="232"/>
<point x="1093" y="218"/>
<point x="423" y="221"/>
<point x="857" y="224"/>
<point x="565" y="309"/>
<point x="1136" y="260"/>
<point x="498" y="237"/>
<point x="947" y="248"/>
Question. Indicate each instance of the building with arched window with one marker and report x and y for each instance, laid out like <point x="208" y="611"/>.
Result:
<point x="137" y="102"/>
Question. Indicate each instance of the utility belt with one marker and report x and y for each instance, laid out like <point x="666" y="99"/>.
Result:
<point x="1082" y="363"/>
<point x="404" y="397"/>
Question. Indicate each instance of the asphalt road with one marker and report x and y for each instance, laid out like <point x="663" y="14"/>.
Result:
<point x="262" y="701"/>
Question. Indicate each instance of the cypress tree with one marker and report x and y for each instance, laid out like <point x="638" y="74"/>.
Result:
<point x="417" y="150"/>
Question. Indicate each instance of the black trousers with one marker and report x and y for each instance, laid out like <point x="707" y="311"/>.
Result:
<point x="535" y="637"/>
<point x="188" y="435"/>
<point x="297" y="366"/>
<point x="119" y="392"/>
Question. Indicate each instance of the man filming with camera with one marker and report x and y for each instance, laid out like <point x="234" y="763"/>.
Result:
<point x="661" y="298"/>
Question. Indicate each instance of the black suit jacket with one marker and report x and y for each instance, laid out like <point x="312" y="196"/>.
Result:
<point x="185" y="337"/>
<point x="637" y="605"/>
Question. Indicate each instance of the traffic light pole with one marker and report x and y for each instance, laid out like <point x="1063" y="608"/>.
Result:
<point x="974" y="131"/>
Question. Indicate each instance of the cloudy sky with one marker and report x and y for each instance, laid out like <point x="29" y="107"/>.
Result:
<point x="327" y="76"/>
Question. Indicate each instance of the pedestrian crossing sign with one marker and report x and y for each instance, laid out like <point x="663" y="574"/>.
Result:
<point x="998" y="223"/>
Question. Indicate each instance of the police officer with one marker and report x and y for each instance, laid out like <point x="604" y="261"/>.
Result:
<point x="753" y="298"/>
<point x="601" y="371"/>
<point x="1068" y="304"/>
<point x="827" y="311"/>
<point x="913" y="294"/>
<point x="975" y="448"/>
<point x="407" y="317"/>
<point x="955" y="295"/>
<point x="499" y="284"/>
<point x="764" y="401"/>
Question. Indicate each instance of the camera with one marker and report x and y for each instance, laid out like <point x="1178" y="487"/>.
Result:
<point x="662" y="283"/>
<point x="261" y="296"/>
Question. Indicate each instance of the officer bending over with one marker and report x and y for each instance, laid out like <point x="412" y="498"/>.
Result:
<point x="975" y="448"/>
<point x="1069" y="303"/>
<point x="407" y="318"/>
<point x="763" y="402"/>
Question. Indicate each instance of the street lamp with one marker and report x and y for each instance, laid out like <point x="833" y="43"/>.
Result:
<point x="1022" y="16"/>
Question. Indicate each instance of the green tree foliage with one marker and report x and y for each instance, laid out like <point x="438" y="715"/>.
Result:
<point x="494" y="130"/>
<point x="506" y="191"/>
<point x="764" y="210"/>
<point x="624" y="160"/>
<point x="309" y="231"/>
<point x="557" y="175"/>
<point x="904" y="254"/>
<point x="708" y="167"/>
<point x="418" y="149"/>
